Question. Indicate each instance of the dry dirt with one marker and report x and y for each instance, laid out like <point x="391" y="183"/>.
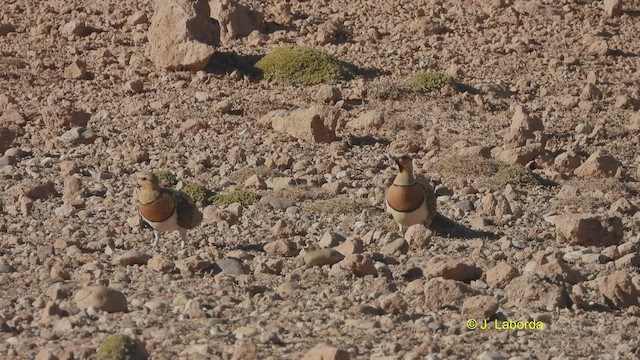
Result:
<point x="241" y="289"/>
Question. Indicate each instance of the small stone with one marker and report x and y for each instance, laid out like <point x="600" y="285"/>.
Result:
<point x="418" y="236"/>
<point x="501" y="274"/>
<point x="330" y="239"/>
<point x="132" y="258"/>
<point x="244" y="350"/>
<point x="73" y="27"/>
<point x="359" y="264"/>
<point x="6" y="268"/>
<point x="398" y="246"/>
<point x="134" y="86"/>
<point x="101" y="297"/>
<point x="453" y="269"/>
<point x="160" y="264"/>
<point x="79" y="135"/>
<point x="230" y="266"/>
<point x="323" y="257"/>
<point x="480" y="307"/>
<point x="350" y="246"/>
<point x="77" y="70"/>
<point x="393" y="304"/>
<point x="328" y="94"/>
<point x="613" y="7"/>
<point x="324" y="351"/>
<point x="282" y="247"/>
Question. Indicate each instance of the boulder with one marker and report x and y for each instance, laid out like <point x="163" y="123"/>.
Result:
<point x="182" y="34"/>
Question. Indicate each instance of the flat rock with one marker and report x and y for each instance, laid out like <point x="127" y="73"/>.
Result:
<point x="323" y="257"/>
<point x="132" y="258"/>
<point x="454" y="270"/>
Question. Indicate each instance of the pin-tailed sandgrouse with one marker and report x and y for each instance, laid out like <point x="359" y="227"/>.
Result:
<point x="408" y="201"/>
<point x="165" y="209"/>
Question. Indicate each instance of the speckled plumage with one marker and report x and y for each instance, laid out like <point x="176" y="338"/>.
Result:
<point x="165" y="209"/>
<point x="408" y="201"/>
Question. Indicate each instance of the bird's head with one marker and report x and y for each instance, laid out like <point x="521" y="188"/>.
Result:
<point x="147" y="180"/>
<point x="405" y="163"/>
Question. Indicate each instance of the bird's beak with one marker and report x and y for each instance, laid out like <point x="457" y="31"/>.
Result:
<point x="395" y="160"/>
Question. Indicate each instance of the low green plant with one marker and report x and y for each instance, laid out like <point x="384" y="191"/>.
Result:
<point x="166" y="178"/>
<point x="118" y="347"/>
<point x="429" y="80"/>
<point x="304" y="66"/>
<point x="244" y="197"/>
<point x="197" y="192"/>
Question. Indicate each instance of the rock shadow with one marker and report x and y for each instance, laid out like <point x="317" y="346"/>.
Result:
<point x="446" y="227"/>
<point x="226" y="62"/>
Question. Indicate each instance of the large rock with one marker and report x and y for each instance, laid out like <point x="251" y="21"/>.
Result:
<point x="236" y="20"/>
<point x="440" y="293"/>
<point x="182" y="34"/>
<point x="101" y="297"/>
<point x="551" y="263"/>
<point x="454" y="270"/>
<point x="501" y="274"/>
<point x="58" y="119"/>
<point x="315" y="124"/>
<point x="599" y="164"/>
<point x="618" y="290"/>
<point x="588" y="230"/>
<point x="524" y="129"/>
<point x="537" y="292"/>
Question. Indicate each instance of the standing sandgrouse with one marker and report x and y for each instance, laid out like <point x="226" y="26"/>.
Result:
<point x="408" y="201"/>
<point x="165" y="209"/>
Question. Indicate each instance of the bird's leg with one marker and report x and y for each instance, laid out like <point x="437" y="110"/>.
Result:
<point x="183" y="236"/>
<point x="401" y="229"/>
<point x="156" y="238"/>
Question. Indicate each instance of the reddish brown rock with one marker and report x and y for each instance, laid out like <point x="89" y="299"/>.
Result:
<point x="618" y="291"/>
<point x="439" y="293"/>
<point x="501" y="274"/>
<point x="599" y="164"/>
<point x="588" y="230"/>
<point x="314" y="124"/>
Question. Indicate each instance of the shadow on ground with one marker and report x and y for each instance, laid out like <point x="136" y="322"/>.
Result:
<point x="446" y="227"/>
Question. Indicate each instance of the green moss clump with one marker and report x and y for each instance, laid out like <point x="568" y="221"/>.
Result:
<point x="304" y="66"/>
<point x="243" y="197"/>
<point x="429" y="81"/>
<point x="166" y="178"/>
<point x="197" y="192"/>
<point x="118" y="347"/>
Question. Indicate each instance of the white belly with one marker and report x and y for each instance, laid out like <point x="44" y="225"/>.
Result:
<point x="407" y="219"/>
<point x="171" y="224"/>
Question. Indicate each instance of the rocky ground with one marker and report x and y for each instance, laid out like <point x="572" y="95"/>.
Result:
<point x="533" y="152"/>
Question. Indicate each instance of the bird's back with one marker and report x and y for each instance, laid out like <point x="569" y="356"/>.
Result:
<point x="189" y="216"/>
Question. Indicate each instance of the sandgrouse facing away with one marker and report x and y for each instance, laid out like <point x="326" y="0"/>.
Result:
<point x="408" y="201"/>
<point x="165" y="209"/>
